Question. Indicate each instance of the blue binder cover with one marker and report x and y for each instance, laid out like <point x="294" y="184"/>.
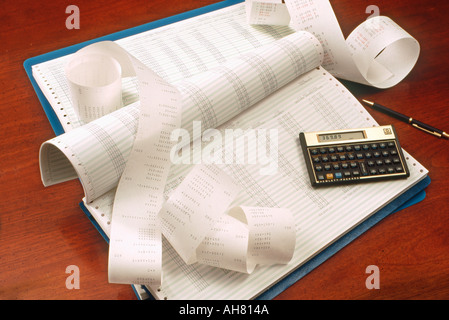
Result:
<point x="412" y="196"/>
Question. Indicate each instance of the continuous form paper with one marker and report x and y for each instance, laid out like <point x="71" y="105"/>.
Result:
<point x="180" y="50"/>
<point x="242" y="81"/>
<point x="174" y="51"/>
<point x="378" y="52"/>
<point x="313" y="101"/>
<point x="135" y="247"/>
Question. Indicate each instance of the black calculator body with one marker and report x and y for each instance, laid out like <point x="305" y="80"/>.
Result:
<point x="353" y="155"/>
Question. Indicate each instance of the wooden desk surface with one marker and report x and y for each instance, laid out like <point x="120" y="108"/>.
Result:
<point x="42" y="230"/>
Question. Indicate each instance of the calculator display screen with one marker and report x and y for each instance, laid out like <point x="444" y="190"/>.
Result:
<point x="329" y="137"/>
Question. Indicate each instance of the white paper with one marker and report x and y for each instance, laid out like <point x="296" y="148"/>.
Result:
<point x="98" y="151"/>
<point x="313" y="101"/>
<point x="378" y="52"/>
<point x="135" y="249"/>
<point x="383" y="52"/>
<point x="135" y="253"/>
<point x="95" y="76"/>
<point x="193" y="208"/>
<point x="272" y="12"/>
<point x="200" y="225"/>
<point x="271" y="234"/>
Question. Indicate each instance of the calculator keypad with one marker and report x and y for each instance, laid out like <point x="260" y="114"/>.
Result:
<point x="348" y="162"/>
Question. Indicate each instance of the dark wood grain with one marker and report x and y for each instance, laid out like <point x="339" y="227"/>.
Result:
<point x="42" y="230"/>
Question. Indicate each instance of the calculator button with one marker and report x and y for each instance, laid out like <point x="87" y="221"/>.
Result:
<point x="347" y="174"/>
<point x="365" y="147"/>
<point x="327" y="167"/>
<point x="374" y="146"/>
<point x="340" y="149"/>
<point x="330" y="176"/>
<point x="351" y="156"/>
<point x="387" y="162"/>
<point x="345" y="165"/>
<point x="390" y="144"/>
<point x="331" y="150"/>
<point x="325" y="159"/>
<point x="353" y="165"/>
<point x="334" y="158"/>
<point x="376" y="154"/>
<point x="357" y="148"/>
<point x="379" y="162"/>
<point x="363" y="169"/>
<point x="373" y="171"/>
<point x="316" y="159"/>
<point x="336" y="166"/>
<point x="382" y="171"/>
<point x="320" y="177"/>
<point x="370" y="163"/>
<point x="342" y="157"/>
<point x="348" y="148"/>
<point x="385" y="153"/>
<point x="393" y="152"/>
<point x="338" y="175"/>
<point x="314" y="152"/>
<point x="323" y="150"/>
<point x="356" y="173"/>
<point x="368" y="155"/>
<point x="318" y="168"/>
<point x="359" y="155"/>
<point x="390" y="170"/>
<point x="399" y="169"/>
<point x="382" y="145"/>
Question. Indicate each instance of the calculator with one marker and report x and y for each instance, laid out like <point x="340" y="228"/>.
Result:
<point x="353" y="155"/>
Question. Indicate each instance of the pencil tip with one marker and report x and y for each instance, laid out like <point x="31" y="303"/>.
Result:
<point x="368" y="102"/>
